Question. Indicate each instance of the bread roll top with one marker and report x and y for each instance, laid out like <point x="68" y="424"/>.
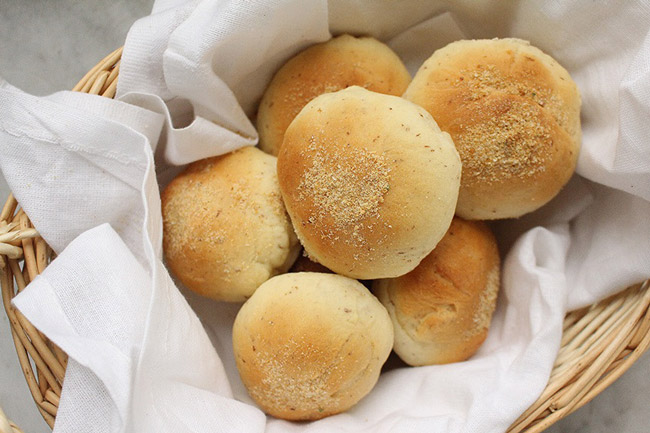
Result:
<point x="225" y="227"/>
<point x="341" y="62"/>
<point x="309" y="345"/>
<point x="514" y="115"/>
<point x="370" y="182"/>
<point x="442" y="309"/>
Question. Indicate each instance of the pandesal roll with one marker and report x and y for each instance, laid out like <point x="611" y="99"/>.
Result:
<point x="225" y="229"/>
<point x="369" y="181"/>
<point x="514" y="115"/>
<point x="326" y="67"/>
<point x="309" y="345"/>
<point x="441" y="311"/>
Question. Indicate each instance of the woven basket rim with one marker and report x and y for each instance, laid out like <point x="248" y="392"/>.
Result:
<point x="599" y="342"/>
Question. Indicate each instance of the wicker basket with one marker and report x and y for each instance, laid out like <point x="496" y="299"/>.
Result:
<point x="598" y="345"/>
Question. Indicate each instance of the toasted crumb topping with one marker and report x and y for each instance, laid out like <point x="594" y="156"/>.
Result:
<point x="346" y="188"/>
<point x="485" y="79"/>
<point x="516" y="138"/>
<point x="487" y="303"/>
<point x="513" y="144"/>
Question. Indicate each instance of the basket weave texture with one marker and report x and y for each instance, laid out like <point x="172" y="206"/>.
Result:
<point x="599" y="343"/>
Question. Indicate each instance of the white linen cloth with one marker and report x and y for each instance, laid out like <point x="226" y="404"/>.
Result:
<point x="141" y="360"/>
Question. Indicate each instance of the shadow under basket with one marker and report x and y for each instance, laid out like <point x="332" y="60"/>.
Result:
<point x="599" y="343"/>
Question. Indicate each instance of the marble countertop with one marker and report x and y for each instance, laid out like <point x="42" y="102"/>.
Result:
<point x="47" y="46"/>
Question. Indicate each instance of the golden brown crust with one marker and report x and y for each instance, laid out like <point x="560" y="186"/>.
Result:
<point x="514" y="115"/>
<point x="225" y="229"/>
<point x="369" y="181"/>
<point x="310" y="345"/>
<point x="442" y="309"/>
<point x="327" y="67"/>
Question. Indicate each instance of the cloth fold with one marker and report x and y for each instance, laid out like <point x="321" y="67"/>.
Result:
<point x="146" y="355"/>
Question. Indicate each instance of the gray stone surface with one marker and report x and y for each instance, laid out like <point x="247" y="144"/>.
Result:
<point x="47" y="46"/>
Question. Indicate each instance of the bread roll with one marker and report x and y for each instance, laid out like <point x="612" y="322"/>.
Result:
<point x="441" y="311"/>
<point x="370" y="182"/>
<point x="309" y="345"/>
<point x="327" y="67"/>
<point x="225" y="227"/>
<point x="514" y="115"/>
